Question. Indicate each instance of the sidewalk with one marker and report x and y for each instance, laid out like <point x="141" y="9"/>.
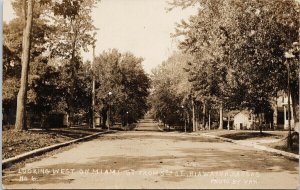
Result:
<point x="254" y="143"/>
<point x="10" y="161"/>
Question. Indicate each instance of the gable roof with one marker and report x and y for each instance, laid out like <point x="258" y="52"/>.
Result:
<point x="235" y="112"/>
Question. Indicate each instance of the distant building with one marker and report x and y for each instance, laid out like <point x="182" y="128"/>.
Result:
<point x="243" y="120"/>
<point x="228" y="119"/>
<point x="281" y="113"/>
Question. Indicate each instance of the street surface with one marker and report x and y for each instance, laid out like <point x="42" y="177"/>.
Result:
<point x="149" y="158"/>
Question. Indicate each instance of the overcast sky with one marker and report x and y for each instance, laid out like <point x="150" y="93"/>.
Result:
<point x="142" y="27"/>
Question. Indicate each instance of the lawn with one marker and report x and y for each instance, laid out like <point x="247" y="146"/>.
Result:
<point x="15" y="143"/>
<point x="280" y="145"/>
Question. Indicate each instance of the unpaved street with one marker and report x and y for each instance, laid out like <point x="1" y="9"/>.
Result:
<point x="148" y="158"/>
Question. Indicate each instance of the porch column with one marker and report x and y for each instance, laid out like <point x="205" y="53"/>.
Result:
<point x="292" y="118"/>
<point x="275" y="116"/>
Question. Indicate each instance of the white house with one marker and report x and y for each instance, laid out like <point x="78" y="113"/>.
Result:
<point x="281" y="112"/>
<point x="243" y="120"/>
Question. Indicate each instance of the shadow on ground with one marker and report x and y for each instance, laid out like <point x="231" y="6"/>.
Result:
<point x="73" y="133"/>
<point x="248" y="135"/>
<point x="187" y="160"/>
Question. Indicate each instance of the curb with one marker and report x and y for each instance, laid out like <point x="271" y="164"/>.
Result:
<point x="160" y="128"/>
<point x="10" y="161"/>
<point x="256" y="146"/>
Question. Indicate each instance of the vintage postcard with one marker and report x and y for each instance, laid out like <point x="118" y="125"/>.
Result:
<point x="150" y="94"/>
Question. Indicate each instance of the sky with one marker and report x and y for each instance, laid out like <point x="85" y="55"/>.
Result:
<point x="142" y="27"/>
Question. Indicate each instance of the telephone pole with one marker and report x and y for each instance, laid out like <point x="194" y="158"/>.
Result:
<point x="288" y="56"/>
<point x="93" y="89"/>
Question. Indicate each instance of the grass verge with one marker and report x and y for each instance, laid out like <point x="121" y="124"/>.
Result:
<point x="15" y="143"/>
<point x="250" y="135"/>
<point x="281" y="144"/>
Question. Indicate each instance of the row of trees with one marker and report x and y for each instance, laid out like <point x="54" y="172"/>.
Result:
<point x="169" y="91"/>
<point x="123" y="76"/>
<point x="236" y="58"/>
<point x="44" y="30"/>
<point x="43" y="70"/>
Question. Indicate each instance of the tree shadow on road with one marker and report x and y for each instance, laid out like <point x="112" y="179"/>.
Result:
<point x="186" y="160"/>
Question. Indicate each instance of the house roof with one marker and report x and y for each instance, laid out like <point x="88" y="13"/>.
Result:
<point x="230" y="113"/>
<point x="235" y="112"/>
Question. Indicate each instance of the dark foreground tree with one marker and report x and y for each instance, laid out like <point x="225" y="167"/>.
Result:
<point x="27" y="9"/>
<point x="22" y="95"/>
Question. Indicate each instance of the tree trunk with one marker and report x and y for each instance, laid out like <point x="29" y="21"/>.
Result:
<point x="193" y="115"/>
<point x="203" y="118"/>
<point x="44" y="124"/>
<point x="20" y="123"/>
<point x="90" y="114"/>
<point x="185" y="125"/>
<point x="73" y="77"/>
<point x="221" y="117"/>
<point x="188" y="121"/>
<point x="294" y="107"/>
<point x="196" y="118"/>
<point x="260" y="123"/>
<point x="104" y="116"/>
<point x="107" y="119"/>
<point x="209" y="120"/>
<point x="275" y="116"/>
<point x="228" y="122"/>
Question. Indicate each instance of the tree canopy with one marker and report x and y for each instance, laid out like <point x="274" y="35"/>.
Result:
<point x="122" y="75"/>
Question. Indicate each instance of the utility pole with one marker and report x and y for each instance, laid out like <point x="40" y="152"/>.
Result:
<point x="109" y="110"/>
<point x="290" y="143"/>
<point x="93" y="89"/>
<point x="289" y="55"/>
<point x="127" y="126"/>
<point x="193" y="109"/>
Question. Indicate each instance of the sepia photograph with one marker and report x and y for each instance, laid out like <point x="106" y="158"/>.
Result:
<point x="150" y="94"/>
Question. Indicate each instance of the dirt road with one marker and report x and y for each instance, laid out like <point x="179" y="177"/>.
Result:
<point x="147" y="158"/>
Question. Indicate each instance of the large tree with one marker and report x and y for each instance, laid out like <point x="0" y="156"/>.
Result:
<point x="12" y="49"/>
<point x="73" y="34"/>
<point x="205" y="40"/>
<point x="22" y="95"/>
<point x="123" y="76"/>
<point x="30" y="11"/>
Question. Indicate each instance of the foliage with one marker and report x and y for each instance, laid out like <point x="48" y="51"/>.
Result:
<point x="238" y="44"/>
<point x="123" y="76"/>
<point x="57" y="26"/>
<point x="170" y="89"/>
<point x="73" y="34"/>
